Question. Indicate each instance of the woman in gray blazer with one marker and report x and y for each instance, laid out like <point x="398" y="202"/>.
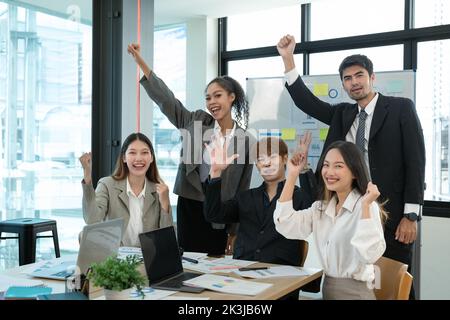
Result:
<point x="223" y="95"/>
<point x="134" y="192"/>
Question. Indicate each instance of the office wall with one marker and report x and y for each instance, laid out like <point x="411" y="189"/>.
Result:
<point x="435" y="259"/>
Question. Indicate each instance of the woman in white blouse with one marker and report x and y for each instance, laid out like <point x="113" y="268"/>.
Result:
<point x="346" y="221"/>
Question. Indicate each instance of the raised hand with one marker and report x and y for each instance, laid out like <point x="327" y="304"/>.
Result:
<point x="304" y="143"/>
<point x="296" y="164"/>
<point x="134" y="50"/>
<point x="372" y="193"/>
<point x="86" y="163"/>
<point x="219" y="160"/>
<point x="286" y="46"/>
<point x="163" y="192"/>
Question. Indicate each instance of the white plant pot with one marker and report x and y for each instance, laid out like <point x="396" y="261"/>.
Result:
<point x="117" y="295"/>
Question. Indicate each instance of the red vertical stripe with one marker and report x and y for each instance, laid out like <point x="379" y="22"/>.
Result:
<point x="138" y="71"/>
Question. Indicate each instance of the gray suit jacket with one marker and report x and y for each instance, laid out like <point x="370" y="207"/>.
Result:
<point x="196" y="127"/>
<point x="110" y="201"/>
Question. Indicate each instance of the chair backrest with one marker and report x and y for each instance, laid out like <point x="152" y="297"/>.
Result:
<point x="304" y="247"/>
<point x="393" y="281"/>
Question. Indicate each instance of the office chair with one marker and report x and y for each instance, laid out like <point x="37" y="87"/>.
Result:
<point x="393" y="281"/>
<point x="304" y="247"/>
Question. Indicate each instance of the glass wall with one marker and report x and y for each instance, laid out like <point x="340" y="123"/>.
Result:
<point x="262" y="28"/>
<point x="431" y="13"/>
<point x="335" y="19"/>
<point x="433" y="106"/>
<point x="170" y="64"/>
<point x="261" y="67"/>
<point x="386" y="58"/>
<point x="45" y="113"/>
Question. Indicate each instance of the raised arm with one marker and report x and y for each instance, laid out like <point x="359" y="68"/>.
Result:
<point x="158" y="91"/>
<point x="303" y="98"/>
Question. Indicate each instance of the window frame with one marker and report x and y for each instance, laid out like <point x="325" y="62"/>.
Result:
<point x="409" y="37"/>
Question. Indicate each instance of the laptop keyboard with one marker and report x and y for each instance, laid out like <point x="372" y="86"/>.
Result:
<point x="178" y="280"/>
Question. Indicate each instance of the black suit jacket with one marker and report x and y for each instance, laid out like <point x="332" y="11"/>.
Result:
<point x="257" y="238"/>
<point x="396" y="144"/>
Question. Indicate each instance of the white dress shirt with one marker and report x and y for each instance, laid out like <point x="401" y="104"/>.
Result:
<point x="351" y="134"/>
<point x="348" y="245"/>
<point x="292" y="75"/>
<point x="135" y="225"/>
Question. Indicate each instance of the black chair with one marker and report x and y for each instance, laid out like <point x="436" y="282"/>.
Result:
<point x="27" y="230"/>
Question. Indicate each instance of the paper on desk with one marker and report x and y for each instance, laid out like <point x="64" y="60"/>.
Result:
<point x="185" y="298"/>
<point x="129" y="251"/>
<point x="195" y="255"/>
<point x="228" y="285"/>
<point x="218" y="265"/>
<point x="152" y="294"/>
<point x="281" y="271"/>
<point x="233" y="262"/>
<point x="7" y="281"/>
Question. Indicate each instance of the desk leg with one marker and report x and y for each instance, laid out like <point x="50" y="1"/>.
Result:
<point x="56" y="241"/>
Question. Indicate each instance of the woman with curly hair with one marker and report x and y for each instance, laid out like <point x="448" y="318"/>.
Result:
<point x="223" y="96"/>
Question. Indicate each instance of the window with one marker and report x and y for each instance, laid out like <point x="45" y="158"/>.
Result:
<point x="263" y="28"/>
<point x="45" y="112"/>
<point x="431" y="13"/>
<point x="433" y="107"/>
<point x="262" y="67"/>
<point x="344" y="18"/>
<point x="170" y="61"/>
<point x="386" y="58"/>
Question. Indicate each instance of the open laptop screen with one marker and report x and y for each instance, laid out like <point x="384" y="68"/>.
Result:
<point x="161" y="254"/>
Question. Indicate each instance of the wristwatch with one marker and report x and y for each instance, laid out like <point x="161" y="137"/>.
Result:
<point x="412" y="216"/>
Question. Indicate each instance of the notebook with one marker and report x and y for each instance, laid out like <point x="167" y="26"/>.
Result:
<point x="21" y="292"/>
<point x="63" y="296"/>
<point x="98" y="241"/>
<point x="162" y="261"/>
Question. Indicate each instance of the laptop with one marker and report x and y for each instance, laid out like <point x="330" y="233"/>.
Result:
<point x="98" y="242"/>
<point x="162" y="261"/>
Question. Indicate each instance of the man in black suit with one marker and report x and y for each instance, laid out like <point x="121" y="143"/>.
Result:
<point x="257" y="238"/>
<point x="388" y="132"/>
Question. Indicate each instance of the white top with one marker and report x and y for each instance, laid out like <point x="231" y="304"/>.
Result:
<point x="348" y="245"/>
<point x="351" y="134"/>
<point x="135" y="225"/>
<point x="292" y="75"/>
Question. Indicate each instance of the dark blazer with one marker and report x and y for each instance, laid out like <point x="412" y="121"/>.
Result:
<point x="396" y="145"/>
<point x="257" y="238"/>
<point x="196" y="128"/>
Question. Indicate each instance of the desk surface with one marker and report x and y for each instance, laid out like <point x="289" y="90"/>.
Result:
<point x="281" y="285"/>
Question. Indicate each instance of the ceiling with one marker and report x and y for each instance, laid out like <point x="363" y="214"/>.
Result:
<point x="176" y="11"/>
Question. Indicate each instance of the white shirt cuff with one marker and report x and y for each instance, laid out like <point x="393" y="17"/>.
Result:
<point x="291" y="76"/>
<point x="281" y="208"/>
<point x="412" y="207"/>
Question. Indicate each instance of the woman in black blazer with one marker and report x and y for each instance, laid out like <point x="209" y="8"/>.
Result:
<point x="223" y="95"/>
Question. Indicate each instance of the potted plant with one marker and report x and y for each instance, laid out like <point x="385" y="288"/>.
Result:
<point x="117" y="276"/>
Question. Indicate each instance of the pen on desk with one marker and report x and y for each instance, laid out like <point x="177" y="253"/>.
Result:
<point x="189" y="259"/>
<point x="252" y="269"/>
<point x="223" y="267"/>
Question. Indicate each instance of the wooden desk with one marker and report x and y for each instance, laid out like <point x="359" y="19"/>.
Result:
<point x="281" y="285"/>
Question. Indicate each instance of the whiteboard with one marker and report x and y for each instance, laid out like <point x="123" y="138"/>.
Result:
<point x="273" y="113"/>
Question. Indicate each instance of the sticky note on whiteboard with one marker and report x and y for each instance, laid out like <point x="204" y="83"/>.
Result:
<point x="288" y="134"/>
<point x="320" y="89"/>
<point x="323" y="134"/>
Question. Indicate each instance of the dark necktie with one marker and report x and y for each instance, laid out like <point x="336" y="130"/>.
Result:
<point x="360" y="133"/>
